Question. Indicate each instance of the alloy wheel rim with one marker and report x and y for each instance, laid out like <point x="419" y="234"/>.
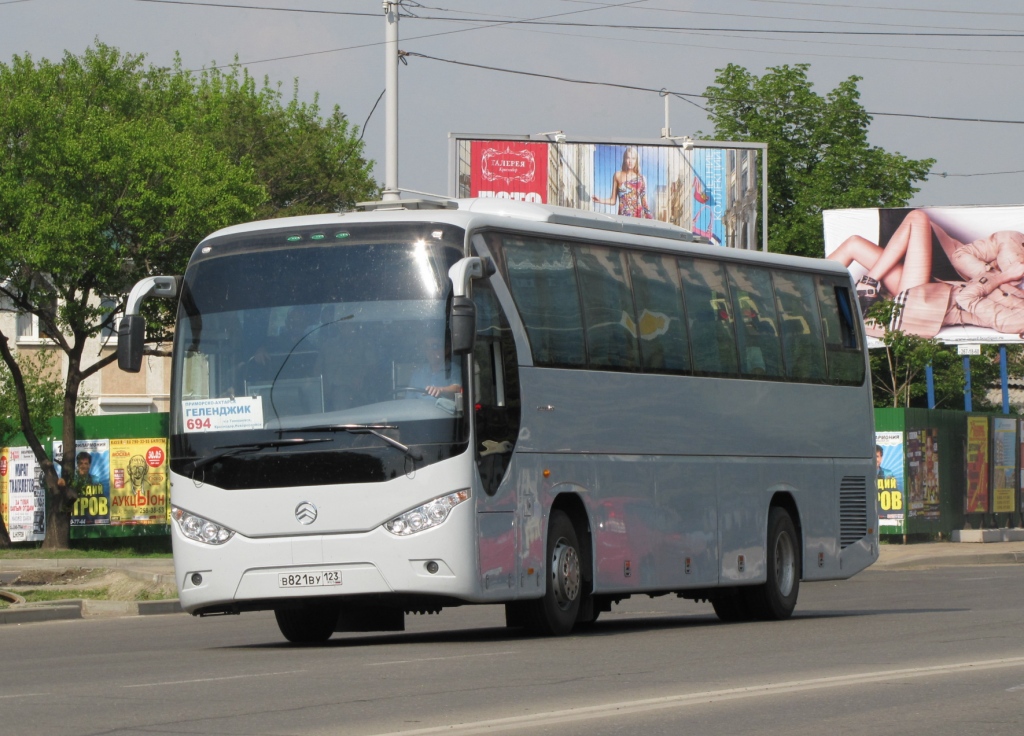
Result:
<point x="565" y="574"/>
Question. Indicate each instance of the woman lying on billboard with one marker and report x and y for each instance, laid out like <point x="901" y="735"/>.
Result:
<point x="989" y="295"/>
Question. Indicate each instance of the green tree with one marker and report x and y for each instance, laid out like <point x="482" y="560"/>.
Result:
<point x="96" y="192"/>
<point x="818" y="152"/>
<point x="898" y="369"/>
<point x="309" y="164"/>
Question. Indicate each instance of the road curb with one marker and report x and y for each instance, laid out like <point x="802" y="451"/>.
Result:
<point x="34" y="614"/>
<point x="79" y="609"/>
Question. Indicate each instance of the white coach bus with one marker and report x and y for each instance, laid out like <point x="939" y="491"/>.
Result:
<point x="429" y="404"/>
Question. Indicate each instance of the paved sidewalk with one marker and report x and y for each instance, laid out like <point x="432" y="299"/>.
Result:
<point x="942" y="554"/>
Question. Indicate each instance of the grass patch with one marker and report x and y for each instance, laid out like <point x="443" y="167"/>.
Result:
<point x="42" y="596"/>
<point x="150" y="595"/>
<point x="141" y="548"/>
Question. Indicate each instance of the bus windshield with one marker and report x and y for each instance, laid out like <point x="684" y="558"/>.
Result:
<point x="337" y="335"/>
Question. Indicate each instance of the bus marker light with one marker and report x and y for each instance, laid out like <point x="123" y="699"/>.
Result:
<point x="431" y="567"/>
<point x="197" y="579"/>
<point x="741" y="563"/>
<point x="547" y="473"/>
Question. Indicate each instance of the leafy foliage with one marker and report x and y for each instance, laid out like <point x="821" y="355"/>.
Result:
<point x="818" y="152"/>
<point x="111" y="171"/>
<point x="44" y="391"/>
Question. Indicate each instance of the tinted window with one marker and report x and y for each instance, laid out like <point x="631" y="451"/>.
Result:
<point x="757" y="330"/>
<point x="607" y="308"/>
<point x="842" y="342"/>
<point x="709" y="316"/>
<point x="542" y="278"/>
<point x="800" y="326"/>
<point x="661" y="322"/>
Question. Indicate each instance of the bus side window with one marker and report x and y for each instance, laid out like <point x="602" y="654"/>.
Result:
<point x="542" y="279"/>
<point x="842" y="342"/>
<point x="496" y="388"/>
<point x="757" y="329"/>
<point x="661" y="321"/>
<point x="709" y="315"/>
<point x="803" y="347"/>
<point x="607" y="309"/>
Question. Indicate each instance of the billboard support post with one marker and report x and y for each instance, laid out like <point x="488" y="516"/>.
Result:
<point x="1004" y="379"/>
<point x="929" y="378"/>
<point x="967" y="383"/>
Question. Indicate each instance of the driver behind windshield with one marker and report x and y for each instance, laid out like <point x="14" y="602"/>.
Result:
<point x="438" y="378"/>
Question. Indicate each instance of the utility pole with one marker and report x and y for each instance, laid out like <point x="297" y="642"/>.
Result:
<point x="391" y="192"/>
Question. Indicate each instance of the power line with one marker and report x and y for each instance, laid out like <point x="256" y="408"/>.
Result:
<point x="660" y="28"/>
<point x="944" y="175"/>
<point x="681" y="95"/>
<point x="684" y="95"/>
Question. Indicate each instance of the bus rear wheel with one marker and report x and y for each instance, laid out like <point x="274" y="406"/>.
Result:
<point x="308" y="624"/>
<point x="555" y="613"/>
<point x="776" y="598"/>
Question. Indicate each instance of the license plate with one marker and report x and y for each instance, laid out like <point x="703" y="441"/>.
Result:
<point x="308" y="579"/>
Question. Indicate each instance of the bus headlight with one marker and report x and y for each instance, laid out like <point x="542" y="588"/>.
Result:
<point x="426" y="516"/>
<point x="200" y="529"/>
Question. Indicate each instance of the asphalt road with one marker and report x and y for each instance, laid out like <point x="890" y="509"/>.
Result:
<point x="937" y="651"/>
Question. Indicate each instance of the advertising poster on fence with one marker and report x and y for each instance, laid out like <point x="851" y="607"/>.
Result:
<point x="4" y="465"/>
<point x="976" y="501"/>
<point x="1022" y="464"/>
<point x="944" y="265"/>
<point x="709" y="188"/>
<point x="509" y="170"/>
<point x="26" y="504"/>
<point x="923" y="473"/>
<point x="91" y="481"/>
<point x="138" y="481"/>
<point x="1004" y="465"/>
<point x="889" y="478"/>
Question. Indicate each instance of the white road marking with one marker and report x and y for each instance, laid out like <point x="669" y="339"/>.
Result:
<point x="25" y="695"/>
<point x="212" y="679"/>
<point x="437" y="659"/>
<point x="703" y="698"/>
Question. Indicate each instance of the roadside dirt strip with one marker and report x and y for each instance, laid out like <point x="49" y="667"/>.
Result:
<point x="80" y="592"/>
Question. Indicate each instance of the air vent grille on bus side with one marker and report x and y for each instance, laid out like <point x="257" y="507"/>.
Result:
<point x="853" y="510"/>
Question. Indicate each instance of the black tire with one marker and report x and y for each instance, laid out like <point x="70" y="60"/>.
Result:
<point x="776" y="598"/>
<point x="310" y="624"/>
<point x="731" y="606"/>
<point x="555" y="613"/>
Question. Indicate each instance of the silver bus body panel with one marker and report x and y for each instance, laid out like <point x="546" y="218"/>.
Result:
<point x="672" y="504"/>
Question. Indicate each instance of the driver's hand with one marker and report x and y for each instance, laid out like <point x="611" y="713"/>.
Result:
<point x="434" y="391"/>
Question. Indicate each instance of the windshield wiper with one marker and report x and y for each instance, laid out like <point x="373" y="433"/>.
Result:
<point x="362" y="429"/>
<point x="229" y="450"/>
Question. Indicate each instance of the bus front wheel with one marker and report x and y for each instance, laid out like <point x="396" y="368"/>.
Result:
<point x="308" y="624"/>
<point x="555" y="613"/>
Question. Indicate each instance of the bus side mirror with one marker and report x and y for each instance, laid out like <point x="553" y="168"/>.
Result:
<point x="131" y="333"/>
<point x="463" y="325"/>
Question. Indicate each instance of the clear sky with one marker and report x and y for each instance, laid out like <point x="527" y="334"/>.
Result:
<point x="924" y="59"/>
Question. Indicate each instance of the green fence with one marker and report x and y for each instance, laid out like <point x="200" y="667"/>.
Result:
<point x="123" y="485"/>
<point x="942" y="471"/>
